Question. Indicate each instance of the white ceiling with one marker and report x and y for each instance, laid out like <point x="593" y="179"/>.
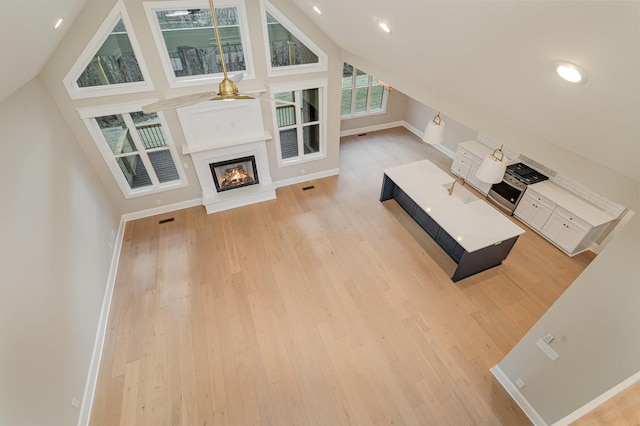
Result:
<point x="492" y="57"/>
<point x="29" y="38"/>
<point x="495" y="59"/>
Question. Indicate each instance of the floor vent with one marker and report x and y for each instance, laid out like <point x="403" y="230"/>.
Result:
<point x="362" y="134"/>
<point x="306" y="188"/>
<point x="171" y="219"/>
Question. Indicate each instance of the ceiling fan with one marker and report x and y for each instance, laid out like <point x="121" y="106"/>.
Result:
<point x="227" y="90"/>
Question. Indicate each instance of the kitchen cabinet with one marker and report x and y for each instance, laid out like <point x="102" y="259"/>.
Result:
<point x="534" y="209"/>
<point x="466" y="163"/>
<point x="564" y="219"/>
<point x="565" y="230"/>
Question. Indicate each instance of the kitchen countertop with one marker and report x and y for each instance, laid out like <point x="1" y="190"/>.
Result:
<point x="572" y="203"/>
<point x="474" y="224"/>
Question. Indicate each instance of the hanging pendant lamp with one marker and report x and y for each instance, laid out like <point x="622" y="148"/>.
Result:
<point x="493" y="167"/>
<point x="434" y="133"/>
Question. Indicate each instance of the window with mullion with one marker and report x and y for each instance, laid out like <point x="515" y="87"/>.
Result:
<point x="361" y="93"/>
<point x="300" y="126"/>
<point x="137" y="146"/>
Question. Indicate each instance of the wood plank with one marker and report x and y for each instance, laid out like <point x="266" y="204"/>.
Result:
<point x="321" y="307"/>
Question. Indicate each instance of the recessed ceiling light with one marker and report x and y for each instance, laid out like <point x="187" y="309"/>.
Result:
<point x="384" y="26"/>
<point x="317" y="10"/>
<point x="57" y="25"/>
<point x="571" y="73"/>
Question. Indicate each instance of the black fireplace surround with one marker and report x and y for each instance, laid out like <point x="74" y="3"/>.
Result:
<point x="236" y="173"/>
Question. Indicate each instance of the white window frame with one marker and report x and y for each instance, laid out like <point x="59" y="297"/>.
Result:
<point x="367" y="111"/>
<point x="321" y="66"/>
<point x="205" y="79"/>
<point x="88" y="115"/>
<point x="321" y="85"/>
<point x="70" y="80"/>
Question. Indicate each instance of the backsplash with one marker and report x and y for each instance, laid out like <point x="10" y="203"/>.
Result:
<point x="565" y="182"/>
<point x="588" y="195"/>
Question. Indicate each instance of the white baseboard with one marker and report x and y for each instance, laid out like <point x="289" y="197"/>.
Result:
<point x="98" y="345"/>
<point x="593" y="404"/>
<point x="306" y="178"/>
<point x="519" y="398"/>
<point x="162" y="209"/>
<point x="373" y="128"/>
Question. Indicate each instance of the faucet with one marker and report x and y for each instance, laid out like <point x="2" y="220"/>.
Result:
<point x="461" y="180"/>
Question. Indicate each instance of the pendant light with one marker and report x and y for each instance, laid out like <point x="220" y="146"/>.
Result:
<point x="493" y="167"/>
<point x="434" y="133"/>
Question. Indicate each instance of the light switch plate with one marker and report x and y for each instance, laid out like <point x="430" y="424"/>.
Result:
<point x="548" y="350"/>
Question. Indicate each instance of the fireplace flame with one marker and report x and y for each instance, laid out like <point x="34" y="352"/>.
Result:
<point x="235" y="176"/>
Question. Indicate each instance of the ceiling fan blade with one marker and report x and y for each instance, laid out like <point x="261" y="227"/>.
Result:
<point x="178" y="102"/>
<point x="274" y="100"/>
<point x="237" y="78"/>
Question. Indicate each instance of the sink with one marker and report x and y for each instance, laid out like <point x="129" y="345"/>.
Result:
<point x="460" y="192"/>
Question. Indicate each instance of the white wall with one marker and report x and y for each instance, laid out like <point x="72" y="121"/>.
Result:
<point x="596" y="323"/>
<point x="55" y="224"/>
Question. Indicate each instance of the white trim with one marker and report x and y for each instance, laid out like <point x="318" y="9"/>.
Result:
<point x="321" y="66"/>
<point x="88" y="117"/>
<point x="518" y="397"/>
<point x="322" y="86"/>
<point x="372" y="128"/>
<point x="307" y="177"/>
<point x="70" y="80"/>
<point x="101" y="332"/>
<point x="596" y="402"/>
<point x="354" y="93"/>
<point x="141" y="214"/>
<point x="150" y="9"/>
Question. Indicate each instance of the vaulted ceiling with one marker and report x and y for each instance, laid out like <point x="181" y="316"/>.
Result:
<point x="488" y="64"/>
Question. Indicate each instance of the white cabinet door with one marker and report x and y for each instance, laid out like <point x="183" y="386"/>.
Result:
<point x="534" y="210"/>
<point x="565" y="230"/>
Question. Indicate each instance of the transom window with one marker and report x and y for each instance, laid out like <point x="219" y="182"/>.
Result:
<point x="301" y="128"/>
<point x="138" y="150"/>
<point x="361" y="93"/>
<point x="187" y="42"/>
<point x="111" y="64"/>
<point x="289" y="50"/>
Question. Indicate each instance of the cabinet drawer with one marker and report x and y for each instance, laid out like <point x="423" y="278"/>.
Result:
<point x="572" y="220"/>
<point x="461" y="152"/>
<point x="461" y="166"/>
<point x="540" y="199"/>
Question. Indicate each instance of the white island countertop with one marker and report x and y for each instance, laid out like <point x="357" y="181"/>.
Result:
<point x="471" y="221"/>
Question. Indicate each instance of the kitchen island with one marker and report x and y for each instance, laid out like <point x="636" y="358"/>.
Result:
<point x="474" y="234"/>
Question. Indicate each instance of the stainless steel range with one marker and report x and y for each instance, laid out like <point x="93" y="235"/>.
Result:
<point x="507" y="193"/>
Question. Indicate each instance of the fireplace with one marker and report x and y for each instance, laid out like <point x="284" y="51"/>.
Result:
<point x="232" y="174"/>
<point x="228" y="145"/>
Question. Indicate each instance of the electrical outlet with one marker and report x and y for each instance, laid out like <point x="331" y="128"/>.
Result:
<point x="158" y="202"/>
<point x="519" y="383"/>
<point x="75" y="402"/>
<point x="548" y="338"/>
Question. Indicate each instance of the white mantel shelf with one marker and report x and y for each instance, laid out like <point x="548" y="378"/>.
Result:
<point x="186" y="149"/>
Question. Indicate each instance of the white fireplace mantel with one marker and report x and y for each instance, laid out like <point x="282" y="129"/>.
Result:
<point x="219" y="131"/>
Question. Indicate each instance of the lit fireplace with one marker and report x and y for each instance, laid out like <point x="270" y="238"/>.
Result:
<point x="234" y="173"/>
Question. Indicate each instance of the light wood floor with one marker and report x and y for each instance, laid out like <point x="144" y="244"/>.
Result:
<point x="323" y="307"/>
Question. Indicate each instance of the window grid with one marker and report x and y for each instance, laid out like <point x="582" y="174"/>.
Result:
<point x="362" y="93"/>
